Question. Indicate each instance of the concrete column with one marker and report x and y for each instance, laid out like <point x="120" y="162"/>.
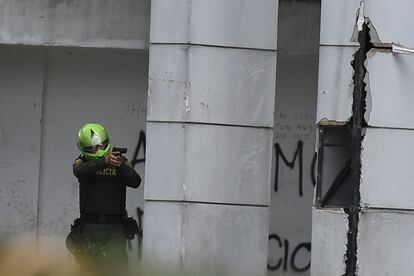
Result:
<point x="386" y="207"/>
<point x="294" y="138"/>
<point x="209" y="135"/>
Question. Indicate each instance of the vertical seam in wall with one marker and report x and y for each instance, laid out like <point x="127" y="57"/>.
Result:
<point x="187" y="98"/>
<point x="188" y="51"/>
<point x="42" y="135"/>
<point x="184" y="128"/>
<point x="184" y="232"/>
<point x="190" y="19"/>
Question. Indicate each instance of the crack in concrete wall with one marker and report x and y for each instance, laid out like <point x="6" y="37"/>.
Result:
<point x="358" y="123"/>
<point x="388" y="73"/>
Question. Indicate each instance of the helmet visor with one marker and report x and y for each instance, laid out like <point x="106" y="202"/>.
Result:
<point x="94" y="149"/>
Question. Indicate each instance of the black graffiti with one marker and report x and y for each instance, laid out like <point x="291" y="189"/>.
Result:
<point x="140" y="234"/>
<point x="140" y="214"/>
<point x="128" y="241"/>
<point x="142" y="143"/>
<point x="291" y="164"/>
<point x="287" y="258"/>
<point x="283" y="261"/>
<point x="279" y="262"/>
<point x="305" y="245"/>
<point x="313" y="167"/>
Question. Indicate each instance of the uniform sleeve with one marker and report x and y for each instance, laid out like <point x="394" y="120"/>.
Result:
<point x="82" y="168"/>
<point x="130" y="177"/>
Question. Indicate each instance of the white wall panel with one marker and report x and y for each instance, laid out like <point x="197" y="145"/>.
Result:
<point x="195" y="162"/>
<point x="335" y="88"/>
<point x="207" y="22"/>
<point x="390" y="85"/>
<point x="232" y="86"/>
<point x="196" y="83"/>
<point x="170" y="21"/>
<point x="232" y="235"/>
<point x="385" y="243"/>
<point x="169" y="62"/>
<point x="392" y="20"/>
<point x="338" y="19"/>
<point x="166" y="149"/>
<point x="329" y="239"/>
<point x="387" y="159"/>
<point x="164" y="236"/>
<point x="211" y="24"/>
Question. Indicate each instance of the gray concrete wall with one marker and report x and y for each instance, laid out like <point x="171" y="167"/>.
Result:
<point x="92" y="23"/>
<point x="21" y="82"/>
<point x="47" y="94"/>
<point x="295" y="111"/>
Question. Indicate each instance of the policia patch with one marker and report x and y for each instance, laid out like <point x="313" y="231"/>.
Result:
<point x="107" y="171"/>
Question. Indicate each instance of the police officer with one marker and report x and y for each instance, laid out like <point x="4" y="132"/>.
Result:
<point x="98" y="237"/>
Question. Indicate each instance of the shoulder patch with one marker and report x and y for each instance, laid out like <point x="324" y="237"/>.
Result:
<point x="78" y="161"/>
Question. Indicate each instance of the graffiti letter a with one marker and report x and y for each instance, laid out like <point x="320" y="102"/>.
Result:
<point x="142" y="142"/>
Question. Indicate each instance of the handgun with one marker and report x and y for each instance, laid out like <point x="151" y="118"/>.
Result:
<point x="120" y="150"/>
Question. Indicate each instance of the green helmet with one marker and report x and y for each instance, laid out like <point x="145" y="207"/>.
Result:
<point x="93" y="141"/>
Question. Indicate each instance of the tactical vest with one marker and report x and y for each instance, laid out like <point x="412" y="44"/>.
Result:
<point x="102" y="194"/>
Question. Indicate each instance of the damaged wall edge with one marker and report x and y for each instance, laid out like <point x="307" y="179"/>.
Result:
<point x="377" y="43"/>
<point x="358" y="123"/>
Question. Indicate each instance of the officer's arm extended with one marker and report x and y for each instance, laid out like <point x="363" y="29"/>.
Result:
<point x="129" y="175"/>
<point x="82" y="168"/>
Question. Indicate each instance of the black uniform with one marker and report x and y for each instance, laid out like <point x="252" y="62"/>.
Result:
<point x="98" y="237"/>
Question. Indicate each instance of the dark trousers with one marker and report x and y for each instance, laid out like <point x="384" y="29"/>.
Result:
<point x="100" y="248"/>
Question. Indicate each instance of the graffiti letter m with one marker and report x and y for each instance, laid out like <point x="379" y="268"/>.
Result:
<point x="291" y="165"/>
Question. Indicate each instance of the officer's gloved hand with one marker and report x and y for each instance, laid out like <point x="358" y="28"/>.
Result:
<point x="114" y="159"/>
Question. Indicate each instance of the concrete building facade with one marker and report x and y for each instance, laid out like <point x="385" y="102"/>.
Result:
<point x="231" y="133"/>
<point x="206" y="86"/>
<point x="371" y="237"/>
